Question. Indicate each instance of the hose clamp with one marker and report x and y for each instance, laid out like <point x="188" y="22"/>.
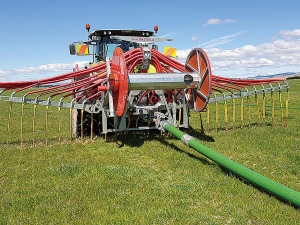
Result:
<point x="186" y="138"/>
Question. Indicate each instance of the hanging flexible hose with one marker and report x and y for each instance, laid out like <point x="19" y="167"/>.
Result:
<point x="216" y="117"/>
<point x="286" y="107"/>
<point x="233" y="111"/>
<point x="207" y="107"/>
<point x="92" y="125"/>
<point x="264" y="109"/>
<point x="273" y="110"/>
<point x="226" y="116"/>
<point x="71" y="133"/>
<point x="248" y="99"/>
<point x="33" y="123"/>
<point x="8" y="124"/>
<point x="22" y="114"/>
<point x="242" y="113"/>
<point x="280" y="100"/>
<point x="257" y="108"/>
<point x="46" y="126"/>
<point x="59" y="137"/>
<point x="179" y="119"/>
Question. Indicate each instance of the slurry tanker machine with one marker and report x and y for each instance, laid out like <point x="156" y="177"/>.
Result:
<point x="131" y="86"/>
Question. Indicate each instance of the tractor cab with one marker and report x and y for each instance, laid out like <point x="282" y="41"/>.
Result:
<point x="106" y="45"/>
<point x="104" y="42"/>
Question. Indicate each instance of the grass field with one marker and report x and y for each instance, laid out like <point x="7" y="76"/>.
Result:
<point x="148" y="180"/>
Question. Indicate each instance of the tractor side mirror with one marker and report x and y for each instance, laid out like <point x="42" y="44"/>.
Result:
<point x="72" y="49"/>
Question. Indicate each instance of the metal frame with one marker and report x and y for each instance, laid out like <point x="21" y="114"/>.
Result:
<point x="249" y="93"/>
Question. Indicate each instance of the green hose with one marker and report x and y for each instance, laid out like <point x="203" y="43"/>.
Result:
<point x="287" y="194"/>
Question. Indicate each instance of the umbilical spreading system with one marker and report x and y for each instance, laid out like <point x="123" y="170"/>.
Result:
<point x="140" y="88"/>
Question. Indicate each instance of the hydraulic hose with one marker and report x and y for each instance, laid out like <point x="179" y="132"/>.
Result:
<point x="286" y="194"/>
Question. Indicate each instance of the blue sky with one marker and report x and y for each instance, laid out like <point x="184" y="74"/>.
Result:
<point x="241" y="38"/>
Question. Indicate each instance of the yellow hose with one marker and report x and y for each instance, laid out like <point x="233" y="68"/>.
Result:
<point x="128" y="121"/>
<point x="242" y="113"/>
<point x="216" y="117"/>
<point x="136" y="124"/>
<point x="81" y="124"/>
<point x="126" y="133"/>
<point x="149" y="129"/>
<point x="137" y="120"/>
<point x="59" y="139"/>
<point x="273" y="111"/>
<point x="33" y="123"/>
<point x="8" y="124"/>
<point x="71" y="125"/>
<point x="226" y="116"/>
<point x="280" y="99"/>
<point x="46" y="126"/>
<point x="92" y="123"/>
<point x="264" y="109"/>
<point x="233" y="106"/>
<point x="179" y="120"/>
<point x="202" y="130"/>
<point x="22" y="124"/>
<point x="286" y="108"/>
<point x="257" y="107"/>
<point x="207" y="119"/>
<point x="249" y="111"/>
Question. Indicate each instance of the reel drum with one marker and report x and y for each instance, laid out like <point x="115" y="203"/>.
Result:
<point x="119" y="81"/>
<point x="197" y="62"/>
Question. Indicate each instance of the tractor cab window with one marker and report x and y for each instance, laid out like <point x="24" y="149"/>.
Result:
<point x="108" y="46"/>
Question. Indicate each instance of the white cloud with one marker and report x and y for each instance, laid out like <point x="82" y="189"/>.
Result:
<point x="243" y="64"/>
<point x="289" y="33"/>
<point x="221" y="40"/>
<point x="272" y="50"/>
<point x="182" y="55"/>
<point x="194" y="38"/>
<point x="277" y="54"/>
<point x="56" y="67"/>
<point x="217" y="21"/>
<point x="273" y="38"/>
<point x="26" y="72"/>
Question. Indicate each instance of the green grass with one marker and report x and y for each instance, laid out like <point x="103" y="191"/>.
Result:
<point x="155" y="180"/>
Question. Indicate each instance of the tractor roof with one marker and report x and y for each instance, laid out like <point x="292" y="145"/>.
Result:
<point x="115" y="32"/>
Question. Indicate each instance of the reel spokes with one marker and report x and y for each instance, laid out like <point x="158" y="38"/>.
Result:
<point x="197" y="62"/>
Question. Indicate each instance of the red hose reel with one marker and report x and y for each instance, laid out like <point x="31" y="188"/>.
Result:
<point x="197" y="64"/>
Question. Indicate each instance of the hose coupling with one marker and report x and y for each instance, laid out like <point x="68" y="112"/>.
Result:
<point x="186" y="138"/>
